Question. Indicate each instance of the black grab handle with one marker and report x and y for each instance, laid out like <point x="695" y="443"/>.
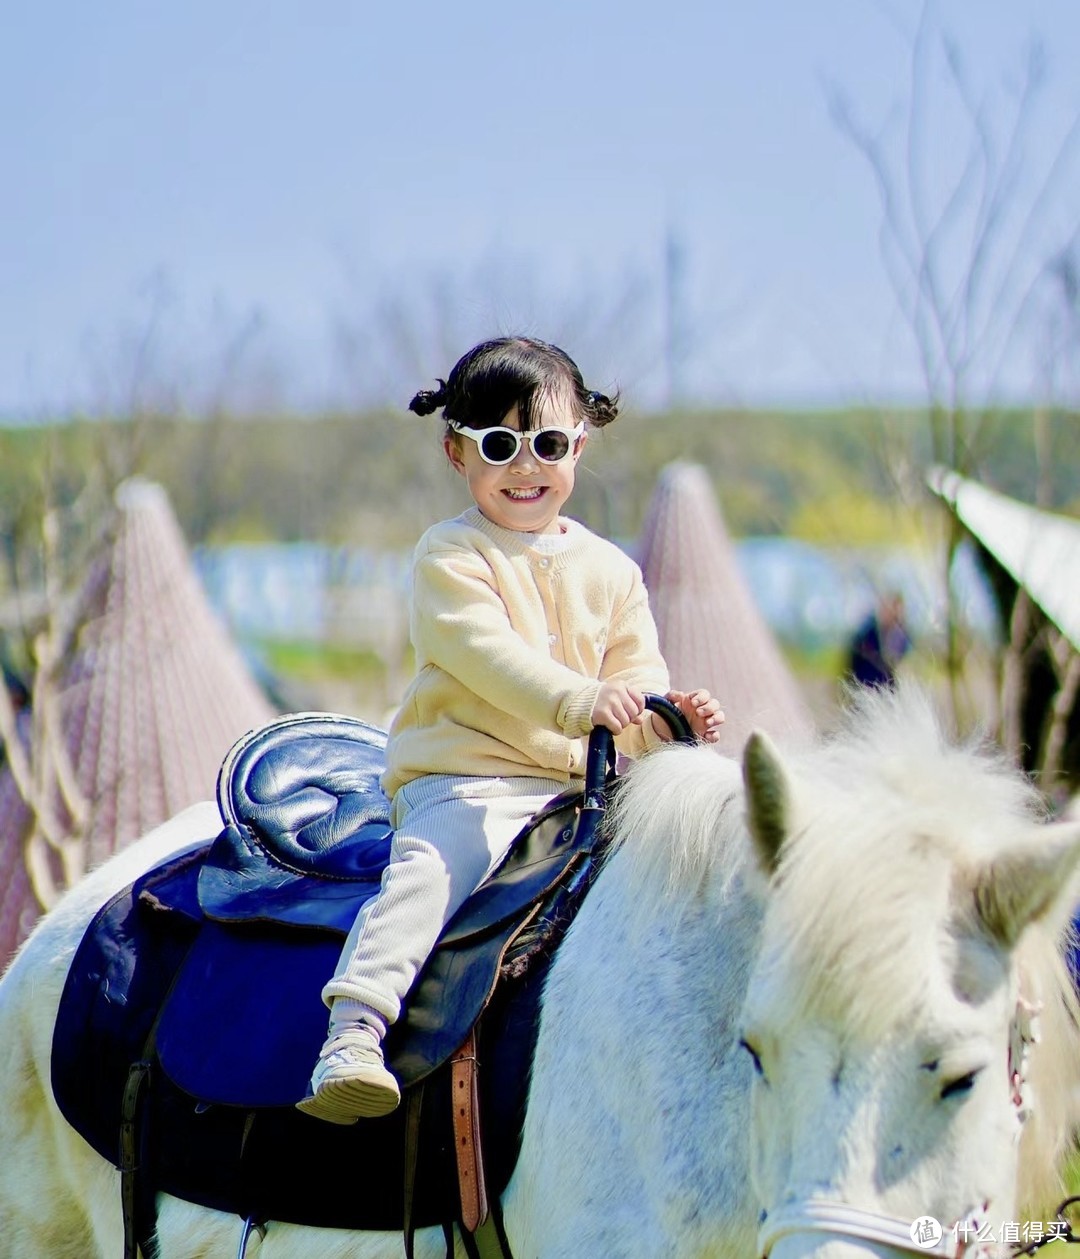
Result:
<point x="600" y="758"/>
<point x="673" y="715"/>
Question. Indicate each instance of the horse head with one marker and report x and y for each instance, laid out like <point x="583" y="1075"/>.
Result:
<point x="912" y="1032"/>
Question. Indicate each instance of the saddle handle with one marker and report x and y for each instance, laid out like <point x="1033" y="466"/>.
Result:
<point x="673" y="715"/>
<point x="600" y="759"/>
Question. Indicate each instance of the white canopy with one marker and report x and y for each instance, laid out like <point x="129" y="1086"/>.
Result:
<point x="1038" y="549"/>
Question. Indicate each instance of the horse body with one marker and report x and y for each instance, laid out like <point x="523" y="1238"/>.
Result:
<point x="799" y="994"/>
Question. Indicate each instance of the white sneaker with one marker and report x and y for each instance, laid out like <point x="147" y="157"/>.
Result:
<point x="350" y="1081"/>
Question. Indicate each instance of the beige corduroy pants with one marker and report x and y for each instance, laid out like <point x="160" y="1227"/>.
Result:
<point x="449" y="832"/>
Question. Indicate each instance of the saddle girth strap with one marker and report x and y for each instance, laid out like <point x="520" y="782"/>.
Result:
<point x="470" y="1162"/>
<point x="136" y="1197"/>
<point x="490" y="1240"/>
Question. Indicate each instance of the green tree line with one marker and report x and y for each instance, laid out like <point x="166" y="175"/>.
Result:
<point x="845" y="477"/>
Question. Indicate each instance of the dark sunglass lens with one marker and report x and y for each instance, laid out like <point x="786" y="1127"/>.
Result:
<point x="551" y="445"/>
<point x="501" y="445"/>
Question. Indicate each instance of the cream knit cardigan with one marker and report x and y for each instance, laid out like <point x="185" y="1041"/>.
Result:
<point x="511" y="644"/>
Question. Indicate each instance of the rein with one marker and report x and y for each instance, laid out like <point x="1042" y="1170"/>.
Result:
<point x="966" y="1239"/>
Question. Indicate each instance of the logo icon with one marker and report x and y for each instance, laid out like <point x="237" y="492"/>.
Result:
<point x="925" y="1232"/>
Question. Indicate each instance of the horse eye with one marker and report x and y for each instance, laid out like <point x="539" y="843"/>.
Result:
<point x="961" y="1085"/>
<point x="754" y="1057"/>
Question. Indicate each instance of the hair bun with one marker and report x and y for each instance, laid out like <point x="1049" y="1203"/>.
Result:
<point x="601" y="409"/>
<point x="428" y="400"/>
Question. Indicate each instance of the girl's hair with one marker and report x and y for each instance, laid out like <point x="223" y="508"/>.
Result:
<point x="497" y="375"/>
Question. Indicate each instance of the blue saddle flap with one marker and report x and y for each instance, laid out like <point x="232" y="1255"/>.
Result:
<point x="245" y="1019"/>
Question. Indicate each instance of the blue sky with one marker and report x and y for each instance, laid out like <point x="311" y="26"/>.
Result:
<point x="321" y="204"/>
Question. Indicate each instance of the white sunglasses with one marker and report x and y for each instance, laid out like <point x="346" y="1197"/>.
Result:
<point x="500" y="445"/>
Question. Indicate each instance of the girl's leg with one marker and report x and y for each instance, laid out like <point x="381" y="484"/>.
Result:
<point x="450" y="833"/>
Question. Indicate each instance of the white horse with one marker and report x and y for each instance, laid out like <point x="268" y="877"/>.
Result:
<point x="791" y="1016"/>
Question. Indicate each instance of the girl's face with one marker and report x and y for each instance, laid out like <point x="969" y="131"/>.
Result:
<point x="526" y="494"/>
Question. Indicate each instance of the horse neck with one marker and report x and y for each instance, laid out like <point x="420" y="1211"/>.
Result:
<point x="637" y="1063"/>
<point x="672" y="965"/>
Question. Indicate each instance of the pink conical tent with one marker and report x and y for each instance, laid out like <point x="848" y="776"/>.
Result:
<point x="712" y="633"/>
<point x="156" y="694"/>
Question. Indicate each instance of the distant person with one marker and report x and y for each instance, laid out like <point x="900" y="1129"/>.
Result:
<point x="879" y="644"/>
<point x="529" y="630"/>
<point x="17" y="689"/>
<point x="18" y="700"/>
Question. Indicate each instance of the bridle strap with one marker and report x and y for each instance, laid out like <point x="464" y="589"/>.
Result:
<point x="844" y="1221"/>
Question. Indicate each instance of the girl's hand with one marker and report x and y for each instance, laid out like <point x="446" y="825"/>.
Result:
<point x="617" y="706"/>
<point x="701" y="710"/>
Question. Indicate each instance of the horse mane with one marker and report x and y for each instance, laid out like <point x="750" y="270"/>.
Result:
<point x="884" y="810"/>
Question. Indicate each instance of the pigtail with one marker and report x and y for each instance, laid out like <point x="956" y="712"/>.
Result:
<point x="429" y="400"/>
<point x="600" y="409"/>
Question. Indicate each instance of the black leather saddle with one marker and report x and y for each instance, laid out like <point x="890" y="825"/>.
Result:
<point x="192" y="1013"/>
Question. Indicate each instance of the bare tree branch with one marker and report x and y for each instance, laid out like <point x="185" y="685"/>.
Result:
<point x="961" y="259"/>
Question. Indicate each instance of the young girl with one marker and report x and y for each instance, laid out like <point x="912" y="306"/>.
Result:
<point x="529" y="630"/>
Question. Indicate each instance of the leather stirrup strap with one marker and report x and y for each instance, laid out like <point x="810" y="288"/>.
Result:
<point x="470" y="1163"/>
<point x="138" y="1199"/>
<point x="414" y="1101"/>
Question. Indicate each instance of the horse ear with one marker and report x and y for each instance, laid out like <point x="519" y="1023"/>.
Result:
<point x="768" y="798"/>
<point x="1023" y="885"/>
